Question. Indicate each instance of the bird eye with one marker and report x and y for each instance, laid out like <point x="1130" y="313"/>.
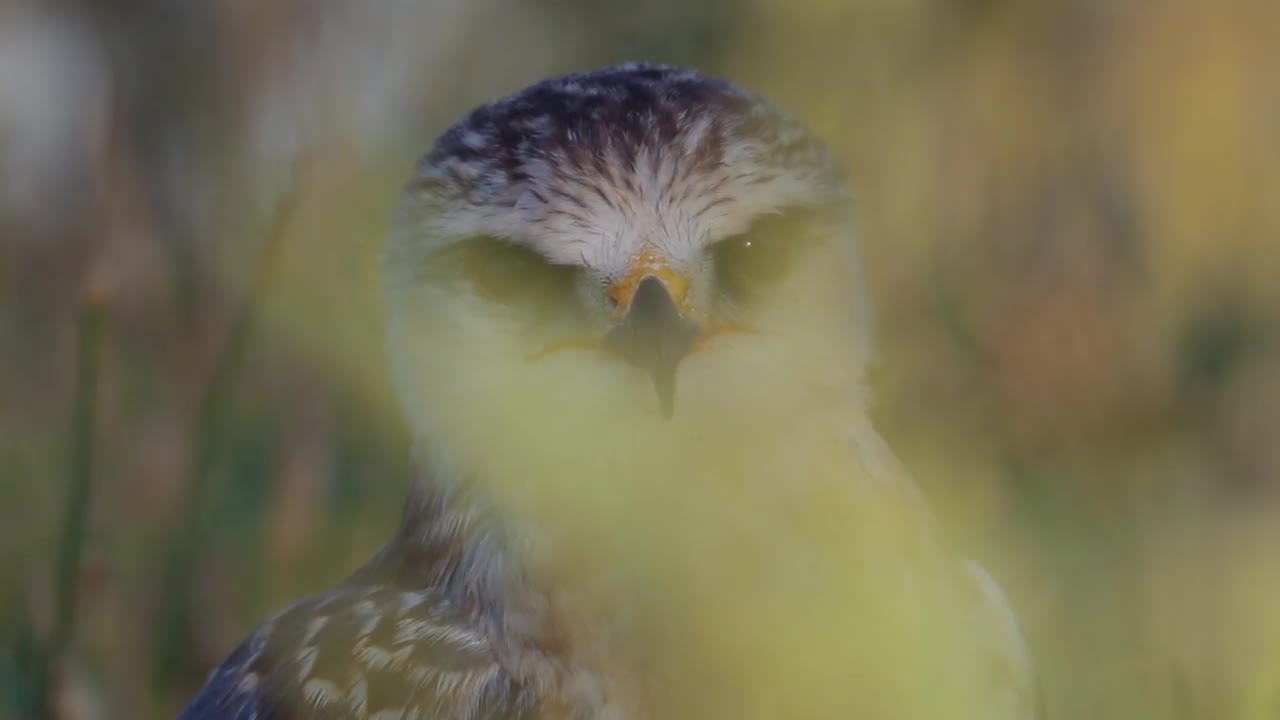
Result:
<point x="510" y="274"/>
<point x="750" y="264"/>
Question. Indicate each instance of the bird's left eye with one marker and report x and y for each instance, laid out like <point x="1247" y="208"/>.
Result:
<point x="510" y="274"/>
<point x="750" y="264"/>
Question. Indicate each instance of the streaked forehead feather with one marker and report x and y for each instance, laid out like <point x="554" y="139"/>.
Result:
<point x="589" y="153"/>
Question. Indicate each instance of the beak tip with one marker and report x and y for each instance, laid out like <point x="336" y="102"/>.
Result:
<point x="654" y="336"/>
<point x="668" y="406"/>
<point x="666" y="391"/>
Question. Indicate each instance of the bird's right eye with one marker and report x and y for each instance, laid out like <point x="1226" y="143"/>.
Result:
<point x="510" y="274"/>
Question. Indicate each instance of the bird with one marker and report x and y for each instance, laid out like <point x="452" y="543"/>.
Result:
<point x="628" y="325"/>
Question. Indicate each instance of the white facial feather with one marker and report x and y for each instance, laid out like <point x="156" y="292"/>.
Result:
<point x="646" y="166"/>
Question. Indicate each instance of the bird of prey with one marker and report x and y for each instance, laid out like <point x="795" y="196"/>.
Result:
<point x="628" y="326"/>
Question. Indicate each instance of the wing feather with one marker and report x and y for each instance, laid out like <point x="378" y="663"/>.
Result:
<point x="363" y="653"/>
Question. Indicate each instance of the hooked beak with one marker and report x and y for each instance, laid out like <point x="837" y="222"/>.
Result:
<point x="654" y="335"/>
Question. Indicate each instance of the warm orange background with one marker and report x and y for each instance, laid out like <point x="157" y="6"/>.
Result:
<point x="1071" y="217"/>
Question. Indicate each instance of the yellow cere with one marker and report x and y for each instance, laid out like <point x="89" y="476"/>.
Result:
<point x="644" y="264"/>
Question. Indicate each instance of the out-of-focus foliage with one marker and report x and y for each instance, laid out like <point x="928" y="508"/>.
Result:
<point x="1071" y="221"/>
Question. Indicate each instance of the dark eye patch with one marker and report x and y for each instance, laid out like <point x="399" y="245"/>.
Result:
<point x="510" y="274"/>
<point x="752" y="263"/>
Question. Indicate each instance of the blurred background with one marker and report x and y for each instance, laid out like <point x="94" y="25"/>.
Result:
<point x="1070" y="211"/>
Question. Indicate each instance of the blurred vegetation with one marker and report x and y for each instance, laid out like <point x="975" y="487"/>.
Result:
<point x="1071" y="220"/>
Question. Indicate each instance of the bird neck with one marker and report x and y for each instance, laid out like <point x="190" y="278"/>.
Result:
<point x="452" y="540"/>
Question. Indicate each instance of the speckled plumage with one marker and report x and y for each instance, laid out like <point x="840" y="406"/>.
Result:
<point x="606" y="124"/>
<point x="493" y="600"/>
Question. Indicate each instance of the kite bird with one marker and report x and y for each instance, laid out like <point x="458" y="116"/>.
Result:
<point x="628" y="327"/>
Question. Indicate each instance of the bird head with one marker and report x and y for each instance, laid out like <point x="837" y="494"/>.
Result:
<point x="608" y="271"/>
